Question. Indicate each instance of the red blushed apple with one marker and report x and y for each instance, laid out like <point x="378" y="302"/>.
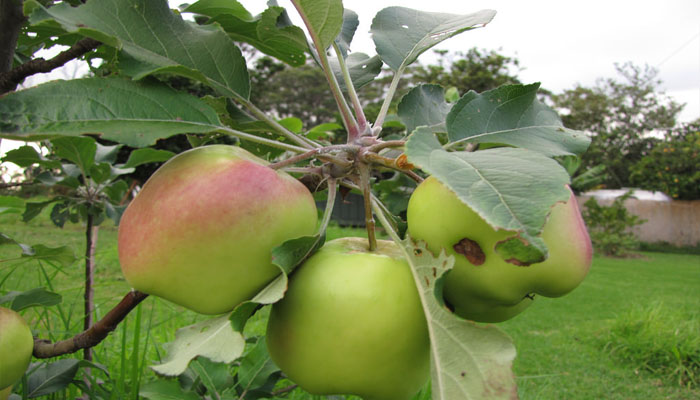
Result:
<point x="488" y="288"/>
<point x="201" y="231"/>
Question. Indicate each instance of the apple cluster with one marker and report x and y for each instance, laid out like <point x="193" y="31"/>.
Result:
<point x="201" y="231"/>
<point x="16" y="345"/>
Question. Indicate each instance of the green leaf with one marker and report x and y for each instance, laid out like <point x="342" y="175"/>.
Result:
<point x="134" y="113"/>
<point x="513" y="115"/>
<point x="4" y="239"/>
<point x="26" y="156"/>
<point x="62" y="255"/>
<point x="323" y="18"/>
<point x="166" y="390"/>
<point x="11" y="205"/>
<point x="323" y="131"/>
<point x="213" y="338"/>
<point x="100" y="172"/>
<point x="363" y="69"/>
<point x="256" y="367"/>
<point x="107" y="154"/>
<point x="33" y="208"/>
<point x="114" y="212"/>
<point x="347" y="31"/>
<point x="145" y="156"/>
<point x="51" y="378"/>
<point x="116" y="191"/>
<point x="60" y="213"/>
<point x="216" y="377"/>
<point x="512" y="189"/>
<point x="159" y="39"/>
<point x="424" y="105"/>
<point x="286" y="256"/>
<point x="402" y="34"/>
<point x="212" y="8"/>
<point x="80" y="151"/>
<point x="38" y="297"/>
<point x="467" y="360"/>
<point x="267" y="32"/>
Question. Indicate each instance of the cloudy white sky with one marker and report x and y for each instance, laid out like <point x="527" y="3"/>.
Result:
<point x="559" y="43"/>
<point x="562" y="43"/>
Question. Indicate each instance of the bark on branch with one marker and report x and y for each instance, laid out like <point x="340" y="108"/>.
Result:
<point x="9" y="80"/>
<point x="92" y="336"/>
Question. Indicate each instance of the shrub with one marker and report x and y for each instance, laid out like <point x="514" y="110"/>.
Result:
<point x="610" y="226"/>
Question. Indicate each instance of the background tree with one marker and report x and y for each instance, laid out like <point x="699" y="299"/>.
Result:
<point x="672" y="165"/>
<point x="624" y="118"/>
<point x="284" y="91"/>
<point x="477" y="69"/>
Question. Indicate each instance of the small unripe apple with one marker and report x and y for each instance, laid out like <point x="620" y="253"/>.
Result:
<point x="482" y="286"/>
<point x="201" y="230"/>
<point x="352" y="322"/>
<point x="16" y="345"/>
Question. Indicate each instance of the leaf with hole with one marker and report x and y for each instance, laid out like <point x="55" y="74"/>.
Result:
<point x="401" y="34"/>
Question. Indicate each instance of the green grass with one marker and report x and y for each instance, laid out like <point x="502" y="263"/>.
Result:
<point x="582" y="346"/>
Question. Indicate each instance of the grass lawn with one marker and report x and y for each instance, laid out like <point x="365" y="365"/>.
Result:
<point x="564" y="345"/>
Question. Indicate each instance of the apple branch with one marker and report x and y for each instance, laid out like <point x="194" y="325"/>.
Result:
<point x="92" y="336"/>
<point x="9" y="80"/>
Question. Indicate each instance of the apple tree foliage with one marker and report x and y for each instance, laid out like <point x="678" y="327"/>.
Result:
<point x="498" y="150"/>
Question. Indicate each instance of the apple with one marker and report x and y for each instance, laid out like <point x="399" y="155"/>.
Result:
<point x="16" y="345"/>
<point x="487" y="288"/>
<point x="352" y="322"/>
<point x="5" y="393"/>
<point x="201" y="230"/>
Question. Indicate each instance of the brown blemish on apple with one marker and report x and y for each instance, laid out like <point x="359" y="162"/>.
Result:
<point x="471" y="250"/>
<point x="517" y="262"/>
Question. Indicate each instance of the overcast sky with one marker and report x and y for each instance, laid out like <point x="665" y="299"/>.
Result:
<point x="561" y="43"/>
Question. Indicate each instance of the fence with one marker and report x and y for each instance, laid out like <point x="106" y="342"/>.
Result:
<point x="676" y="222"/>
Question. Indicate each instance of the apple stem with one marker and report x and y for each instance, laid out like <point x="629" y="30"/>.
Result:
<point x="363" y="168"/>
<point x="260" y="114"/>
<point x="348" y="120"/>
<point x="352" y="94"/>
<point x="92" y="336"/>
<point x="330" y="202"/>
<point x="261" y="140"/>
<point x="387" y="101"/>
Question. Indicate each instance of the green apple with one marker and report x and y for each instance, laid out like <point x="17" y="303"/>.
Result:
<point x="5" y="393"/>
<point x="488" y="288"/>
<point x="201" y="230"/>
<point x="352" y="323"/>
<point x="16" y="345"/>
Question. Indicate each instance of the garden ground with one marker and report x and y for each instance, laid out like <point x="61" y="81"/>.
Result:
<point x="602" y="341"/>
